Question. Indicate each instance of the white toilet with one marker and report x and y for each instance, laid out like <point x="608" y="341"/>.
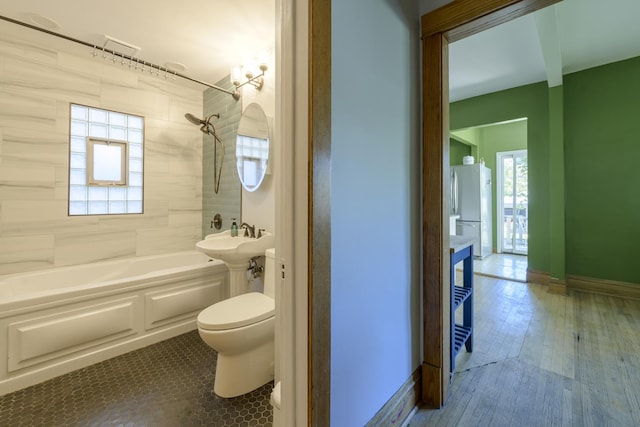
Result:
<point x="241" y="329"/>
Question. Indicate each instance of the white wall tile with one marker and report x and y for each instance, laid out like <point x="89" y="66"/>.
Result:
<point x="50" y="81"/>
<point x="98" y="68"/>
<point x="155" y="163"/>
<point x="14" y="45"/>
<point x="185" y="205"/>
<point x="19" y="182"/>
<point x="33" y="211"/>
<point x="134" y="101"/>
<point x="81" y="248"/>
<point x="28" y="147"/>
<point x="29" y="217"/>
<point x="25" y="253"/>
<point x="36" y="87"/>
<point x="177" y="93"/>
<point x="152" y="218"/>
<point x="26" y="111"/>
<point x="43" y="177"/>
<point x="162" y="240"/>
<point x="156" y="208"/>
<point x="184" y="219"/>
<point x="179" y="108"/>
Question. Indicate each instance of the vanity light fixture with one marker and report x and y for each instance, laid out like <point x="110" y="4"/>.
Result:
<point x="248" y="74"/>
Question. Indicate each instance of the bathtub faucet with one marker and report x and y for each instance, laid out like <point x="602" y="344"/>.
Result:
<point x="249" y="230"/>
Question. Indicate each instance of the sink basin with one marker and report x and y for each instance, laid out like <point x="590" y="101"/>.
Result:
<point x="237" y="249"/>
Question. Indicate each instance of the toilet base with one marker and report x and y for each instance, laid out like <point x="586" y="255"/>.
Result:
<point x="241" y="373"/>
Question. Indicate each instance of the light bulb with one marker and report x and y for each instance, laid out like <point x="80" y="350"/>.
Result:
<point x="236" y="76"/>
<point x="249" y="70"/>
<point x="263" y="60"/>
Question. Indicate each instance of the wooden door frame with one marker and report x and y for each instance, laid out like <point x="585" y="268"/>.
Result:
<point x="451" y="22"/>
<point x="319" y="215"/>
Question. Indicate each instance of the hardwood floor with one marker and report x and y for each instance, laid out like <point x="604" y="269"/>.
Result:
<point x="505" y="266"/>
<point x="544" y="359"/>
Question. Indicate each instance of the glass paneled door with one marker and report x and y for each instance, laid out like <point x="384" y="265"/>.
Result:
<point x="512" y="201"/>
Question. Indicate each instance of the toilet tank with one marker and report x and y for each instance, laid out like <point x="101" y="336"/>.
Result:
<point x="269" y="272"/>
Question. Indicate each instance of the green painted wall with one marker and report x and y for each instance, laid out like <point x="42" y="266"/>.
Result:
<point x="493" y="139"/>
<point x="457" y="150"/>
<point x="602" y="154"/>
<point x="584" y="184"/>
<point x="557" y="196"/>
<point x="471" y="135"/>
<point x="529" y="101"/>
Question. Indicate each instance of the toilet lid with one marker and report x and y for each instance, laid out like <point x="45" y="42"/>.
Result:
<point x="241" y="310"/>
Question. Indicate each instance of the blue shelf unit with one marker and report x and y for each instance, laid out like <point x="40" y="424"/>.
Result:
<point x="461" y="250"/>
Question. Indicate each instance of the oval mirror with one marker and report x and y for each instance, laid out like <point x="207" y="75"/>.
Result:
<point x="252" y="147"/>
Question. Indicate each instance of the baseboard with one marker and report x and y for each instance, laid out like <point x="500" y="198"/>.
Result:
<point x="604" y="287"/>
<point x="539" y="277"/>
<point x="401" y="405"/>
<point x="557" y="286"/>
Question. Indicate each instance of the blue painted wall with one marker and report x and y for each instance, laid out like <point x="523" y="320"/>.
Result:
<point x="375" y="205"/>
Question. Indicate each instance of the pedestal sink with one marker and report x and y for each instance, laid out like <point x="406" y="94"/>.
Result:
<point x="236" y="252"/>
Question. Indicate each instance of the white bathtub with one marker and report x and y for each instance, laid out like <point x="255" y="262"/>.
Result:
<point x="58" y="320"/>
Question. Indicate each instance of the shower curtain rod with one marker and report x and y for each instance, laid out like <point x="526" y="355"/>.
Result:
<point x="131" y="59"/>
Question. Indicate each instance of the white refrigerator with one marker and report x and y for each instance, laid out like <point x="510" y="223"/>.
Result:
<point x="471" y="199"/>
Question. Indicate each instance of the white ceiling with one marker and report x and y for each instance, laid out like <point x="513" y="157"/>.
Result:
<point x="207" y="36"/>
<point x="588" y="33"/>
<point x="211" y="36"/>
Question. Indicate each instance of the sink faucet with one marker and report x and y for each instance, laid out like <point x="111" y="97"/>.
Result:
<point x="249" y="230"/>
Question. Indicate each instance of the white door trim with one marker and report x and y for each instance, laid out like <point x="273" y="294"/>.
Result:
<point x="292" y="193"/>
<point x="500" y="155"/>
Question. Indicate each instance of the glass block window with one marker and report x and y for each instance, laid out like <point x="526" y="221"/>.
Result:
<point x="251" y="159"/>
<point x="105" y="162"/>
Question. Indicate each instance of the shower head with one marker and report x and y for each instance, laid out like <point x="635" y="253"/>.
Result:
<point x="193" y="119"/>
<point x="205" y="124"/>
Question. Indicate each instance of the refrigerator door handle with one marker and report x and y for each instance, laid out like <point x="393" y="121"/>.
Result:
<point x="454" y="192"/>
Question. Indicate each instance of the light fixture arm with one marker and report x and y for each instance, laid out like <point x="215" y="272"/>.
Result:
<point x="255" y="81"/>
<point x="239" y="78"/>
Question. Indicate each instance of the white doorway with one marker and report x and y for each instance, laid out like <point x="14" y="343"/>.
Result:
<point x="512" y="172"/>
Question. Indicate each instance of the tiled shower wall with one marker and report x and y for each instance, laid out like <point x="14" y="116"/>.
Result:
<point x="227" y="201"/>
<point x="36" y="87"/>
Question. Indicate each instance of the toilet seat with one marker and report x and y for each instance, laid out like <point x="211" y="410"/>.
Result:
<point x="235" y="312"/>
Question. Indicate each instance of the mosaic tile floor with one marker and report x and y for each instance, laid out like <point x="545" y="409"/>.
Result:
<point x="165" y="384"/>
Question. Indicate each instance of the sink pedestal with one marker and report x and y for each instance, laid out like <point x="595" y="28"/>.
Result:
<point x="238" y="283"/>
<point x="236" y="252"/>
